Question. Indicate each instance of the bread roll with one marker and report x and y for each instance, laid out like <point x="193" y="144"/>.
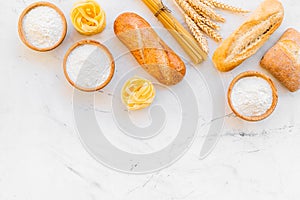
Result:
<point x="250" y="36"/>
<point x="283" y="60"/>
<point x="148" y="49"/>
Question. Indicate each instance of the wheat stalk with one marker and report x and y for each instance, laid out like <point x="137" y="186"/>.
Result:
<point x="199" y="15"/>
<point x="207" y="3"/>
<point x="189" y="10"/>
<point x="205" y="10"/>
<point x="197" y="33"/>
<point x="209" y="31"/>
<point x="227" y="7"/>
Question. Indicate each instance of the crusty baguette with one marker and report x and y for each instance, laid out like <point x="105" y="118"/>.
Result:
<point x="283" y="60"/>
<point x="250" y="36"/>
<point x="148" y="49"/>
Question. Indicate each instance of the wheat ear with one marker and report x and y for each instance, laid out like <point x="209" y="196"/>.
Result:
<point x="207" y="3"/>
<point x="189" y="10"/>
<point x="201" y="39"/>
<point x="210" y="32"/>
<point x="205" y="10"/>
<point x="227" y="7"/>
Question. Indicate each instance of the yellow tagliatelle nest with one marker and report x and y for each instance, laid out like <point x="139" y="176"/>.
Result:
<point x="88" y="17"/>
<point x="138" y="93"/>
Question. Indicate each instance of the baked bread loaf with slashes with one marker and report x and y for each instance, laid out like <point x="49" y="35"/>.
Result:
<point x="150" y="51"/>
<point x="250" y="36"/>
<point x="283" y="60"/>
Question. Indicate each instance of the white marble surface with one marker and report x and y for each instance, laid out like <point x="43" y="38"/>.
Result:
<point x="41" y="156"/>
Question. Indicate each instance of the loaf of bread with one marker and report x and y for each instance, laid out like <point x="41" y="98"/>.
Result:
<point x="148" y="49"/>
<point x="283" y="60"/>
<point x="250" y="36"/>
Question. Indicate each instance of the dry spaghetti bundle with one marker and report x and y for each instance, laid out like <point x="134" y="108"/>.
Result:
<point x="183" y="37"/>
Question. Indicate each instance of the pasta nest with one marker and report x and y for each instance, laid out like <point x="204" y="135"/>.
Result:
<point x="88" y="17"/>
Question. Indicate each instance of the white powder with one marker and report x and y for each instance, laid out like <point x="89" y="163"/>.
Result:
<point x="251" y="96"/>
<point x="88" y="66"/>
<point x="43" y="27"/>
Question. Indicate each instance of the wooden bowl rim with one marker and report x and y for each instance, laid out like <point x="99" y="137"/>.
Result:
<point x="102" y="47"/>
<point x="24" y="13"/>
<point x="274" y="95"/>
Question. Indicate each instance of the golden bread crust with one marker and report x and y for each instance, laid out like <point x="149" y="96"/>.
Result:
<point x="250" y="36"/>
<point x="148" y="49"/>
<point x="283" y="60"/>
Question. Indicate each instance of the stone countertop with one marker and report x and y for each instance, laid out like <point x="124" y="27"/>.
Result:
<point x="41" y="155"/>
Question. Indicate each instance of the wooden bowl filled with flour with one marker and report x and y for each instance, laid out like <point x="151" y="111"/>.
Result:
<point x="88" y="66"/>
<point x="42" y="26"/>
<point x="252" y="96"/>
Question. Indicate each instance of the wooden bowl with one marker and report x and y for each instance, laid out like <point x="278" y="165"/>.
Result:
<point x="274" y="95"/>
<point x="21" y="31"/>
<point x="102" y="47"/>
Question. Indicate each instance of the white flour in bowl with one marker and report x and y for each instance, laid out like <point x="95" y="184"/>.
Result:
<point x="43" y="27"/>
<point x="252" y="96"/>
<point x="88" y="66"/>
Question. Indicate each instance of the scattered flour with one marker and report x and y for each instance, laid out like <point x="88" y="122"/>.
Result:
<point x="88" y="66"/>
<point x="43" y="27"/>
<point x="252" y="96"/>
